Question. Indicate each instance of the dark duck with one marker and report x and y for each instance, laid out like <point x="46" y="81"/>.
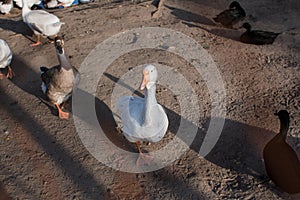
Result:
<point x="281" y="161"/>
<point x="256" y="36"/>
<point x="231" y="16"/>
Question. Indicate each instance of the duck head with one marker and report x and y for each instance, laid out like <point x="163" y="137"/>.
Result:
<point x="283" y="116"/>
<point x="235" y="4"/>
<point x="149" y="77"/>
<point x="59" y="44"/>
<point x="247" y="26"/>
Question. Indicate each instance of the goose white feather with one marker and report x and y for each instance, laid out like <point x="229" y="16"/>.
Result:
<point x="66" y="3"/>
<point x="5" y="8"/>
<point x="40" y="21"/>
<point x="5" y="54"/>
<point x="143" y="118"/>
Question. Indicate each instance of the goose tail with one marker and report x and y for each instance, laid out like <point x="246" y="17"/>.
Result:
<point x="58" y="24"/>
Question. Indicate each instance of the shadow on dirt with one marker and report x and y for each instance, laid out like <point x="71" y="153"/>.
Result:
<point x="225" y="33"/>
<point x="18" y="27"/>
<point x="190" y="17"/>
<point x="239" y="147"/>
<point x="29" y="81"/>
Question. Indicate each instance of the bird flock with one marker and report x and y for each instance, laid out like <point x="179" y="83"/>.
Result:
<point x="7" y="5"/>
<point x="143" y="119"/>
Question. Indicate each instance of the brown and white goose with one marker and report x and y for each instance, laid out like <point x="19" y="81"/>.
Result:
<point x="58" y="81"/>
<point x="281" y="161"/>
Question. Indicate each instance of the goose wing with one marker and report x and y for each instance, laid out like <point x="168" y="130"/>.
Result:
<point x="39" y="19"/>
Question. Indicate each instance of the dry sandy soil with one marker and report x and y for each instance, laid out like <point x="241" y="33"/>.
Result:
<point x="42" y="157"/>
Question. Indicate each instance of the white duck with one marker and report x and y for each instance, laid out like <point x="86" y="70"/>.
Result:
<point x="6" y="6"/>
<point x="57" y="3"/>
<point x="30" y="3"/>
<point x="40" y="22"/>
<point x="5" y="59"/>
<point x="143" y="118"/>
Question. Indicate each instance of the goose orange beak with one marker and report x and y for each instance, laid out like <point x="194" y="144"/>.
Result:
<point x="145" y="80"/>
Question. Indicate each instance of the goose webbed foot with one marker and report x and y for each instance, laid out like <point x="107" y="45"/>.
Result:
<point x="61" y="113"/>
<point x="1" y="76"/>
<point x="143" y="158"/>
<point x="35" y="44"/>
<point x="10" y="74"/>
<point x="38" y="41"/>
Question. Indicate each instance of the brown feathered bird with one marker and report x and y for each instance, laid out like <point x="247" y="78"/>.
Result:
<point x="58" y="81"/>
<point x="281" y="161"/>
<point x="256" y="36"/>
<point x="231" y="16"/>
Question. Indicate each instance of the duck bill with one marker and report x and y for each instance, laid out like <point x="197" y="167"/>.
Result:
<point x="144" y="82"/>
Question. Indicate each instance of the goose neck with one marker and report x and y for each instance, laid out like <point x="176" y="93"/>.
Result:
<point x="150" y="100"/>
<point x="284" y="127"/>
<point x="64" y="62"/>
<point x="25" y="8"/>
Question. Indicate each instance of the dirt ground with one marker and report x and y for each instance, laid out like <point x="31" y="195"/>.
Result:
<point x="42" y="157"/>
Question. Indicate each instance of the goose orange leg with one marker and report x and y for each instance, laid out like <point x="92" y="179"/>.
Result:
<point x="146" y="159"/>
<point x="10" y="74"/>
<point x="1" y="76"/>
<point x="62" y="114"/>
<point x="38" y="41"/>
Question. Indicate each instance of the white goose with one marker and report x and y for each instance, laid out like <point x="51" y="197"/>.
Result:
<point x="5" y="59"/>
<point x="40" y="22"/>
<point x="143" y="118"/>
<point x="57" y="3"/>
<point x="6" y="6"/>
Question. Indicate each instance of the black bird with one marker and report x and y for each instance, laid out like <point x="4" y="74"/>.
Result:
<point x="281" y="161"/>
<point x="257" y="37"/>
<point x="231" y="16"/>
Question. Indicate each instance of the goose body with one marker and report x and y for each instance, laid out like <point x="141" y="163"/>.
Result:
<point x="58" y="81"/>
<point x="6" y="6"/>
<point x="143" y="118"/>
<point x="281" y="161"/>
<point x="40" y="22"/>
<point x="231" y="16"/>
<point x="5" y="58"/>
<point x="256" y="36"/>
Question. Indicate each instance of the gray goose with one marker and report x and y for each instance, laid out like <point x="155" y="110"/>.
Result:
<point x="58" y="81"/>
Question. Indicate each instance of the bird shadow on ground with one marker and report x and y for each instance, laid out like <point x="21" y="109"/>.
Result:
<point x="221" y="32"/>
<point x="108" y="126"/>
<point x="238" y="148"/>
<point x="188" y="16"/>
<point x="18" y="27"/>
<point x="29" y="81"/>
